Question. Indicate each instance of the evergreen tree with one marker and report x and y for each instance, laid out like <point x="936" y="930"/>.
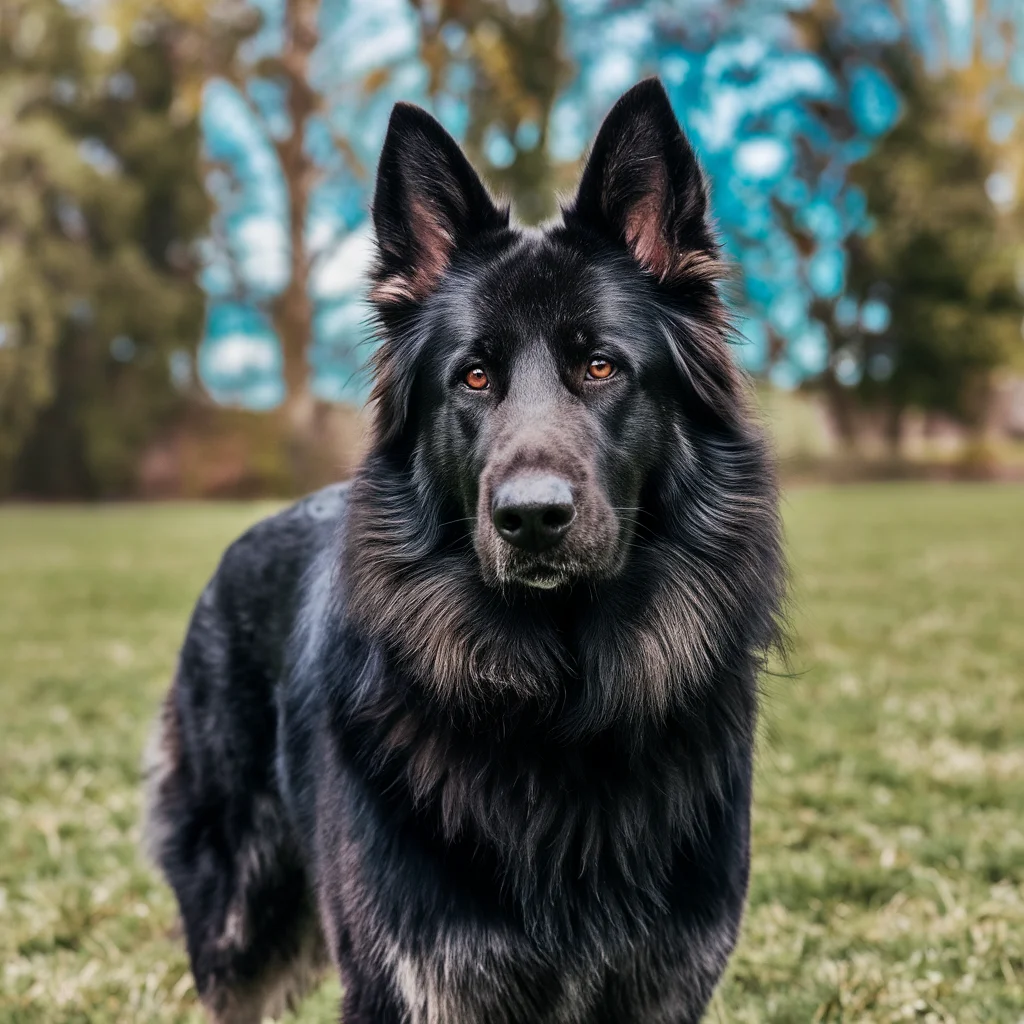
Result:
<point x="941" y="257"/>
<point x="932" y="308"/>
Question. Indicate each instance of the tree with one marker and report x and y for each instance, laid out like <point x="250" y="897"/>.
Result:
<point x="102" y="199"/>
<point x="289" y="157"/>
<point x="314" y="115"/>
<point x="40" y="227"/>
<point x="941" y="258"/>
<point x="292" y="308"/>
<point x="929" y="306"/>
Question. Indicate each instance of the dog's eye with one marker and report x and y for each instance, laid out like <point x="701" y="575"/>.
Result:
<point x="477" y="379"/>
<point x="600" y="368"/>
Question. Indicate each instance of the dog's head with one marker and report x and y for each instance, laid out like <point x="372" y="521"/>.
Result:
<point x="536" y="381"/>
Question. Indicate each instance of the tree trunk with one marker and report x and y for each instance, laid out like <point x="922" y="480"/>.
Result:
<point x="842" y="413"/>
<point x="322" y="440"/>
<point x="293" y="310"/>
<point x="894" y="430"/>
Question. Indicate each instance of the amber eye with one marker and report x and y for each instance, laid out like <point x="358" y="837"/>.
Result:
<point x="477" y="379"/>
<point x="600" y="369"/>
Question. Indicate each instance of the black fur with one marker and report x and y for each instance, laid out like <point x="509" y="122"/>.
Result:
<point x="495" y="785"/>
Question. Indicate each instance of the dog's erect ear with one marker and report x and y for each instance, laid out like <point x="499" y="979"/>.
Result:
<point x="428" y="200"/>
<point x="642" y="187"/>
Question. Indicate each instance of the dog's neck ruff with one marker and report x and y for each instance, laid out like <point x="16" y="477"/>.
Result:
<point x="650" y="676"/>
<point x="692" y="606"/>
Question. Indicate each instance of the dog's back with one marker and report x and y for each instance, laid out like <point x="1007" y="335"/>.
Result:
<point x="216" y="822"/>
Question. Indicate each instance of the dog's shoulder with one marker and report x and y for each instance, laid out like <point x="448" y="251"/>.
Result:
<point x="276" y="548"/>
<point x="257" y="587"/>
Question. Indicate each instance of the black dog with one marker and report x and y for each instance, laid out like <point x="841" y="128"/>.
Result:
<point x="479" y="728"/>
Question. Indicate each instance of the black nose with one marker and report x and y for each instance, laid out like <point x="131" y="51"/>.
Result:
<point x="533" y="512"/>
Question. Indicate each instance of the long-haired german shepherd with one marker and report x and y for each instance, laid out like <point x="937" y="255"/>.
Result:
<point x="478" y="728"/>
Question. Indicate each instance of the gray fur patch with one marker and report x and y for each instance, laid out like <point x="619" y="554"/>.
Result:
<point x="160" y="760"/>
<point x="281" y="989"/>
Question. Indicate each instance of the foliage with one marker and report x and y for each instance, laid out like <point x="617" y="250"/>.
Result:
<point x="933" y="306"/>
<point x="100" y="207"/>
<point x="112" y="206"/>
<point x="39" y="168"/>
<point x="888" y="876"/>
<point x="940" y="256"/>
<point x="291" y="140"/>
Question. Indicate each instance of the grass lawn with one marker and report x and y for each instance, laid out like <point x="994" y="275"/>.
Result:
<point x="888" y="876"/>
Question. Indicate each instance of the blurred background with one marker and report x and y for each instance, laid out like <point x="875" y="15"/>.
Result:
<point x="184" y="188"/>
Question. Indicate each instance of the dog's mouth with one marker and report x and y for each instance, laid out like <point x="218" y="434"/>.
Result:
<point x="503" y="567"/>
<point x="533" y="573"/>
<point x="542" y="577"/>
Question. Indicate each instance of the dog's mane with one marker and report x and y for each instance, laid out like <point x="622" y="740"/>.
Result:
<point x="700" y="598"/>
<point x="498" y="706"/>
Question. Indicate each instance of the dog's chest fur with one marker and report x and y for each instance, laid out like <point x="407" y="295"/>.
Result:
<point x="502" y="893"/>
<point x="486" y="977"/>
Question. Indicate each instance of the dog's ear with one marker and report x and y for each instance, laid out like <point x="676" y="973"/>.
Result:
<point x="643" y="188"/>
<point x="428" y="200"/>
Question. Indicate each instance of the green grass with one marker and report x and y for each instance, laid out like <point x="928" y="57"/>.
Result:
<point x="888" y="880"/>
